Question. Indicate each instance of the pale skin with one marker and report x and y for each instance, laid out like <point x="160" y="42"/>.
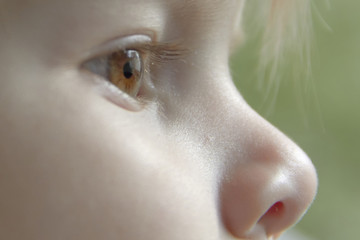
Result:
<point x="80" y="161"/>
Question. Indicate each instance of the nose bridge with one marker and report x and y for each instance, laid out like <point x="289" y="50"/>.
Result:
<point x="268" y="183"/>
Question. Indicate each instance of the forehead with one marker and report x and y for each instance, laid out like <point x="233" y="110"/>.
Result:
<point x="92" y="21"/>
<point x="203" y="7"/>
<point x="186" y="8"/>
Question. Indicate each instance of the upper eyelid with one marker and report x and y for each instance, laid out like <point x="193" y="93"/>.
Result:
<point x="159" y="52"/>
<point x="118" y="44"/>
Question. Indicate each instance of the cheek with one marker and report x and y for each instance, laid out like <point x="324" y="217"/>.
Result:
<point x="75" y="173"/>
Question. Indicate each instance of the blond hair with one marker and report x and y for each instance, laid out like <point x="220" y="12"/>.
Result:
<point x="286" y="28"/>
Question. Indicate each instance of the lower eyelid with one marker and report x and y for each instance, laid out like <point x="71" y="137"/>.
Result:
<point x="113" y="94"/>
<point x="119" y="98"/>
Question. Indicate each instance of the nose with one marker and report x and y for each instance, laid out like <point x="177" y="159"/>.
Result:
<point x="268" y="184"/>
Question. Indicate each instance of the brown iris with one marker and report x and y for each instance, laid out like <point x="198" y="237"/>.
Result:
<point x="125" y="69"/>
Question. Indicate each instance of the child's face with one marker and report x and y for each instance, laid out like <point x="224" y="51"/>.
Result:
<point x="185" y="158"/>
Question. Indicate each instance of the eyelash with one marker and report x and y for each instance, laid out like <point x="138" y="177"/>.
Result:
<point x="163" y="52"/>
<point x="159" y="54"/>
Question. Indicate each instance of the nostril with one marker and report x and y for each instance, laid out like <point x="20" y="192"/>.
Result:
<point x="273" y="219"/>
<point x="277" y="218"/>
<point x="275" y="211"/>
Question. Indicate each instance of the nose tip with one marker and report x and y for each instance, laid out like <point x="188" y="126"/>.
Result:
<point x="292" y="195"/>
<point x="268" y="193"/>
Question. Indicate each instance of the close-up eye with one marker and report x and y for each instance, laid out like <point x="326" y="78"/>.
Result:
<point x="123" y="68"/>
<point x="130" y="66"/>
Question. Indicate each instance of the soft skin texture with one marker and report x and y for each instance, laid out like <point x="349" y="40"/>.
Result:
<point x="195" y="163"/>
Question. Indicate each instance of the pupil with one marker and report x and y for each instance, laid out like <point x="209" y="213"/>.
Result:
<point x="127" y="70"/>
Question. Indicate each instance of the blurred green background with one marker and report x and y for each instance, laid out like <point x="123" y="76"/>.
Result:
<point x="326" y="122"/>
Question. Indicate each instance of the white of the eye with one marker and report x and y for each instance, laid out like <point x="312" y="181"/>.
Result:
<point x="98" y="66"/>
